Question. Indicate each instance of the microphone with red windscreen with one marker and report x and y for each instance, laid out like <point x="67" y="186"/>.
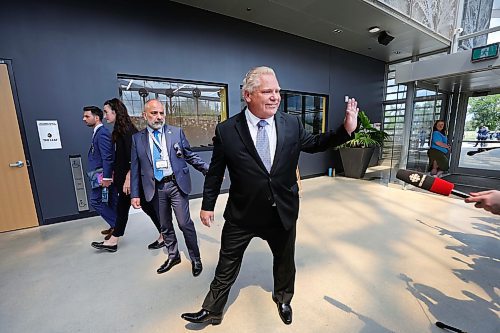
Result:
<point x="429" y="183"/>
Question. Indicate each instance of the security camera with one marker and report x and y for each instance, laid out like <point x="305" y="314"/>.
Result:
<point x="384" y="38"/>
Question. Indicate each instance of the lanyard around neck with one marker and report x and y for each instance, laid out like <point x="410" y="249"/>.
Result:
<point x="156" y="143"/>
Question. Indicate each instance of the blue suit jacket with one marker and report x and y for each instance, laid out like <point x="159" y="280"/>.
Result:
<point x="179" y="152"/>
<point x="101" y="153"/>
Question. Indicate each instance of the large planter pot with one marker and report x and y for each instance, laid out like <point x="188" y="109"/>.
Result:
<point x="355" y="161"/>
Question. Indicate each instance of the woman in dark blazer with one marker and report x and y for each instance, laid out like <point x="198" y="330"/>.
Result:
<point x="115" y="112"/>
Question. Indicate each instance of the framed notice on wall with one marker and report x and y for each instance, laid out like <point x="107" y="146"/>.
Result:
<point x="48" y="132"/>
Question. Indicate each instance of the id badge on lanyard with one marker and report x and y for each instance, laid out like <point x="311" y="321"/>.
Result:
<point x="161" y="164"/>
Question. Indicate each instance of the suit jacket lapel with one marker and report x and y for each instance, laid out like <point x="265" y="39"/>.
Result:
<point x="93" y="143"/>
<point x="244" y="133"/>
<point x="145" y="141"/>
<point x="167" y="133"/>
<point x="279" y="122"/>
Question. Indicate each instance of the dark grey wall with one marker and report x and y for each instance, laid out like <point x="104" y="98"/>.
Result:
<point x="66" y="55"/>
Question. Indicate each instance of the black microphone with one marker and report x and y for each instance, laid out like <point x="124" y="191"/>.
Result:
<point x="479" y="150"/>
<point x="429" y="183"/>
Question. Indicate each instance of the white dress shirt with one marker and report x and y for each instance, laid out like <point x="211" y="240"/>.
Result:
<point x="96" y="127"/>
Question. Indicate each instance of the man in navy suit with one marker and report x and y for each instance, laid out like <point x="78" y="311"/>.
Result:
<point x="158" y="160"/>
<point x="100" y="166"/>
<point x="260" y="147"/>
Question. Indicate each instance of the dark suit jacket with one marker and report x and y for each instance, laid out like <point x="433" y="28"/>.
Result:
<point x="121" y="166"/>
<point x="252" y="188"/>
<point x="101" y="152"/>
<point x="179" y="152"/>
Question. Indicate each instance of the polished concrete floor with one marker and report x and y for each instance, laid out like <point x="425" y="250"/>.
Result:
<point x="370" y="259"/>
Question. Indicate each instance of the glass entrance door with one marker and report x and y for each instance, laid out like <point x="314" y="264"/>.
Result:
<point x="479" y="148"/>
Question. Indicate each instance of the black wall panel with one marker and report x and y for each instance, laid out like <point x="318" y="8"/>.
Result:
<point x="67" y="54"/>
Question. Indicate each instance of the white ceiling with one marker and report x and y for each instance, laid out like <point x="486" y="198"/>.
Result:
<point x="316" y="20"/>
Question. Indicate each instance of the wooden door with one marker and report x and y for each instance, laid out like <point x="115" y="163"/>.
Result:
<point x="17" y="206"/>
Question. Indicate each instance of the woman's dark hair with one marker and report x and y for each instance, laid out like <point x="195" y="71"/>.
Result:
<point x="123" y="123"/>
<point x="434" y="128"/>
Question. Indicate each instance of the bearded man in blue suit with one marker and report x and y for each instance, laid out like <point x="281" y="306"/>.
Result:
<point x="159" y="158"/>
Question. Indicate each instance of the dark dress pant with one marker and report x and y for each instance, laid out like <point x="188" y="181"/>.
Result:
<point x="106" y="210"/>
<point x="168" y="196"/>
<point x="234" y="241"/>
<point x="123" y="209"/>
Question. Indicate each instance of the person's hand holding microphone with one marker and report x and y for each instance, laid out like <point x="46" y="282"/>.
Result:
<point x="488" y="200"/>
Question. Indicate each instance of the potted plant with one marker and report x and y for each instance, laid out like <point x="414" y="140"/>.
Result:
<point x="357" y="152"/>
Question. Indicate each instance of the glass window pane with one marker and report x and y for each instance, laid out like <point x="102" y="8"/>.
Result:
<point x="392" y="89"/>
<point x="482" y="130"/>
<point x="294" y="104"/>
<point x="196" y="107"/>
<point x="391" y="97"/>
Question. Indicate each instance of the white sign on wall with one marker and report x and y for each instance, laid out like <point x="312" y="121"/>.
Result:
<point x="48" y="132"/>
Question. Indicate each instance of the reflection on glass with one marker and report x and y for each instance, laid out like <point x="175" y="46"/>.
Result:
<point x="196" y="107"/>
<point x="313" y="117"/>
<point x="424" y="115"/>
<point x="294" y="104"/>
<point x="310" y="108"/>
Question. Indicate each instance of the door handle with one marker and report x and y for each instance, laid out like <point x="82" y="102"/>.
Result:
<point x="18" y="164"/>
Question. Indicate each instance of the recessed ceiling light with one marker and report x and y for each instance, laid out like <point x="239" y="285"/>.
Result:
<point x="374" y="30"/>
<point x="249" y="9"/>
<point x="337" y="31"/>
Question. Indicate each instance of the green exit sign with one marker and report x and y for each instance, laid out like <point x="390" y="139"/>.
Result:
<point x="485" y="52"/>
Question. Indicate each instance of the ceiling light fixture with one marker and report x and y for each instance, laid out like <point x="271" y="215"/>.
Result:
<point x="337" y="31"/>
<point x="374" y="29"/>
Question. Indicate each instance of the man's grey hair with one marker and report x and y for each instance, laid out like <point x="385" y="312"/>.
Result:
<point x="252" y="78"/>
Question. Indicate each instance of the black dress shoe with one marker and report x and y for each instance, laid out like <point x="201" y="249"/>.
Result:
<point x="203" y="316"/>
<point x="197" y="267"/>
<point x="167" y="265"/>
<point x="101" y="246"/>
<point x="156" y="245"/>
<point x="285" y="311"/>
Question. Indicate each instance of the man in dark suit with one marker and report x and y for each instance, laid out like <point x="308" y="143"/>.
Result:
<point x="158" y="160"/>
<point x="260" y="147"/>
<point x="100" y="167"/>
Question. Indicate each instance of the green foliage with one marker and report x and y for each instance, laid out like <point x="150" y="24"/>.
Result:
<point x="367" y="136"/>
<point x="485" y="111"/>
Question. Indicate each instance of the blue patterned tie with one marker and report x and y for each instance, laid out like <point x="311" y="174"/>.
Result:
<point x="262" y="144"/>
<point x="157" y="156"/>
